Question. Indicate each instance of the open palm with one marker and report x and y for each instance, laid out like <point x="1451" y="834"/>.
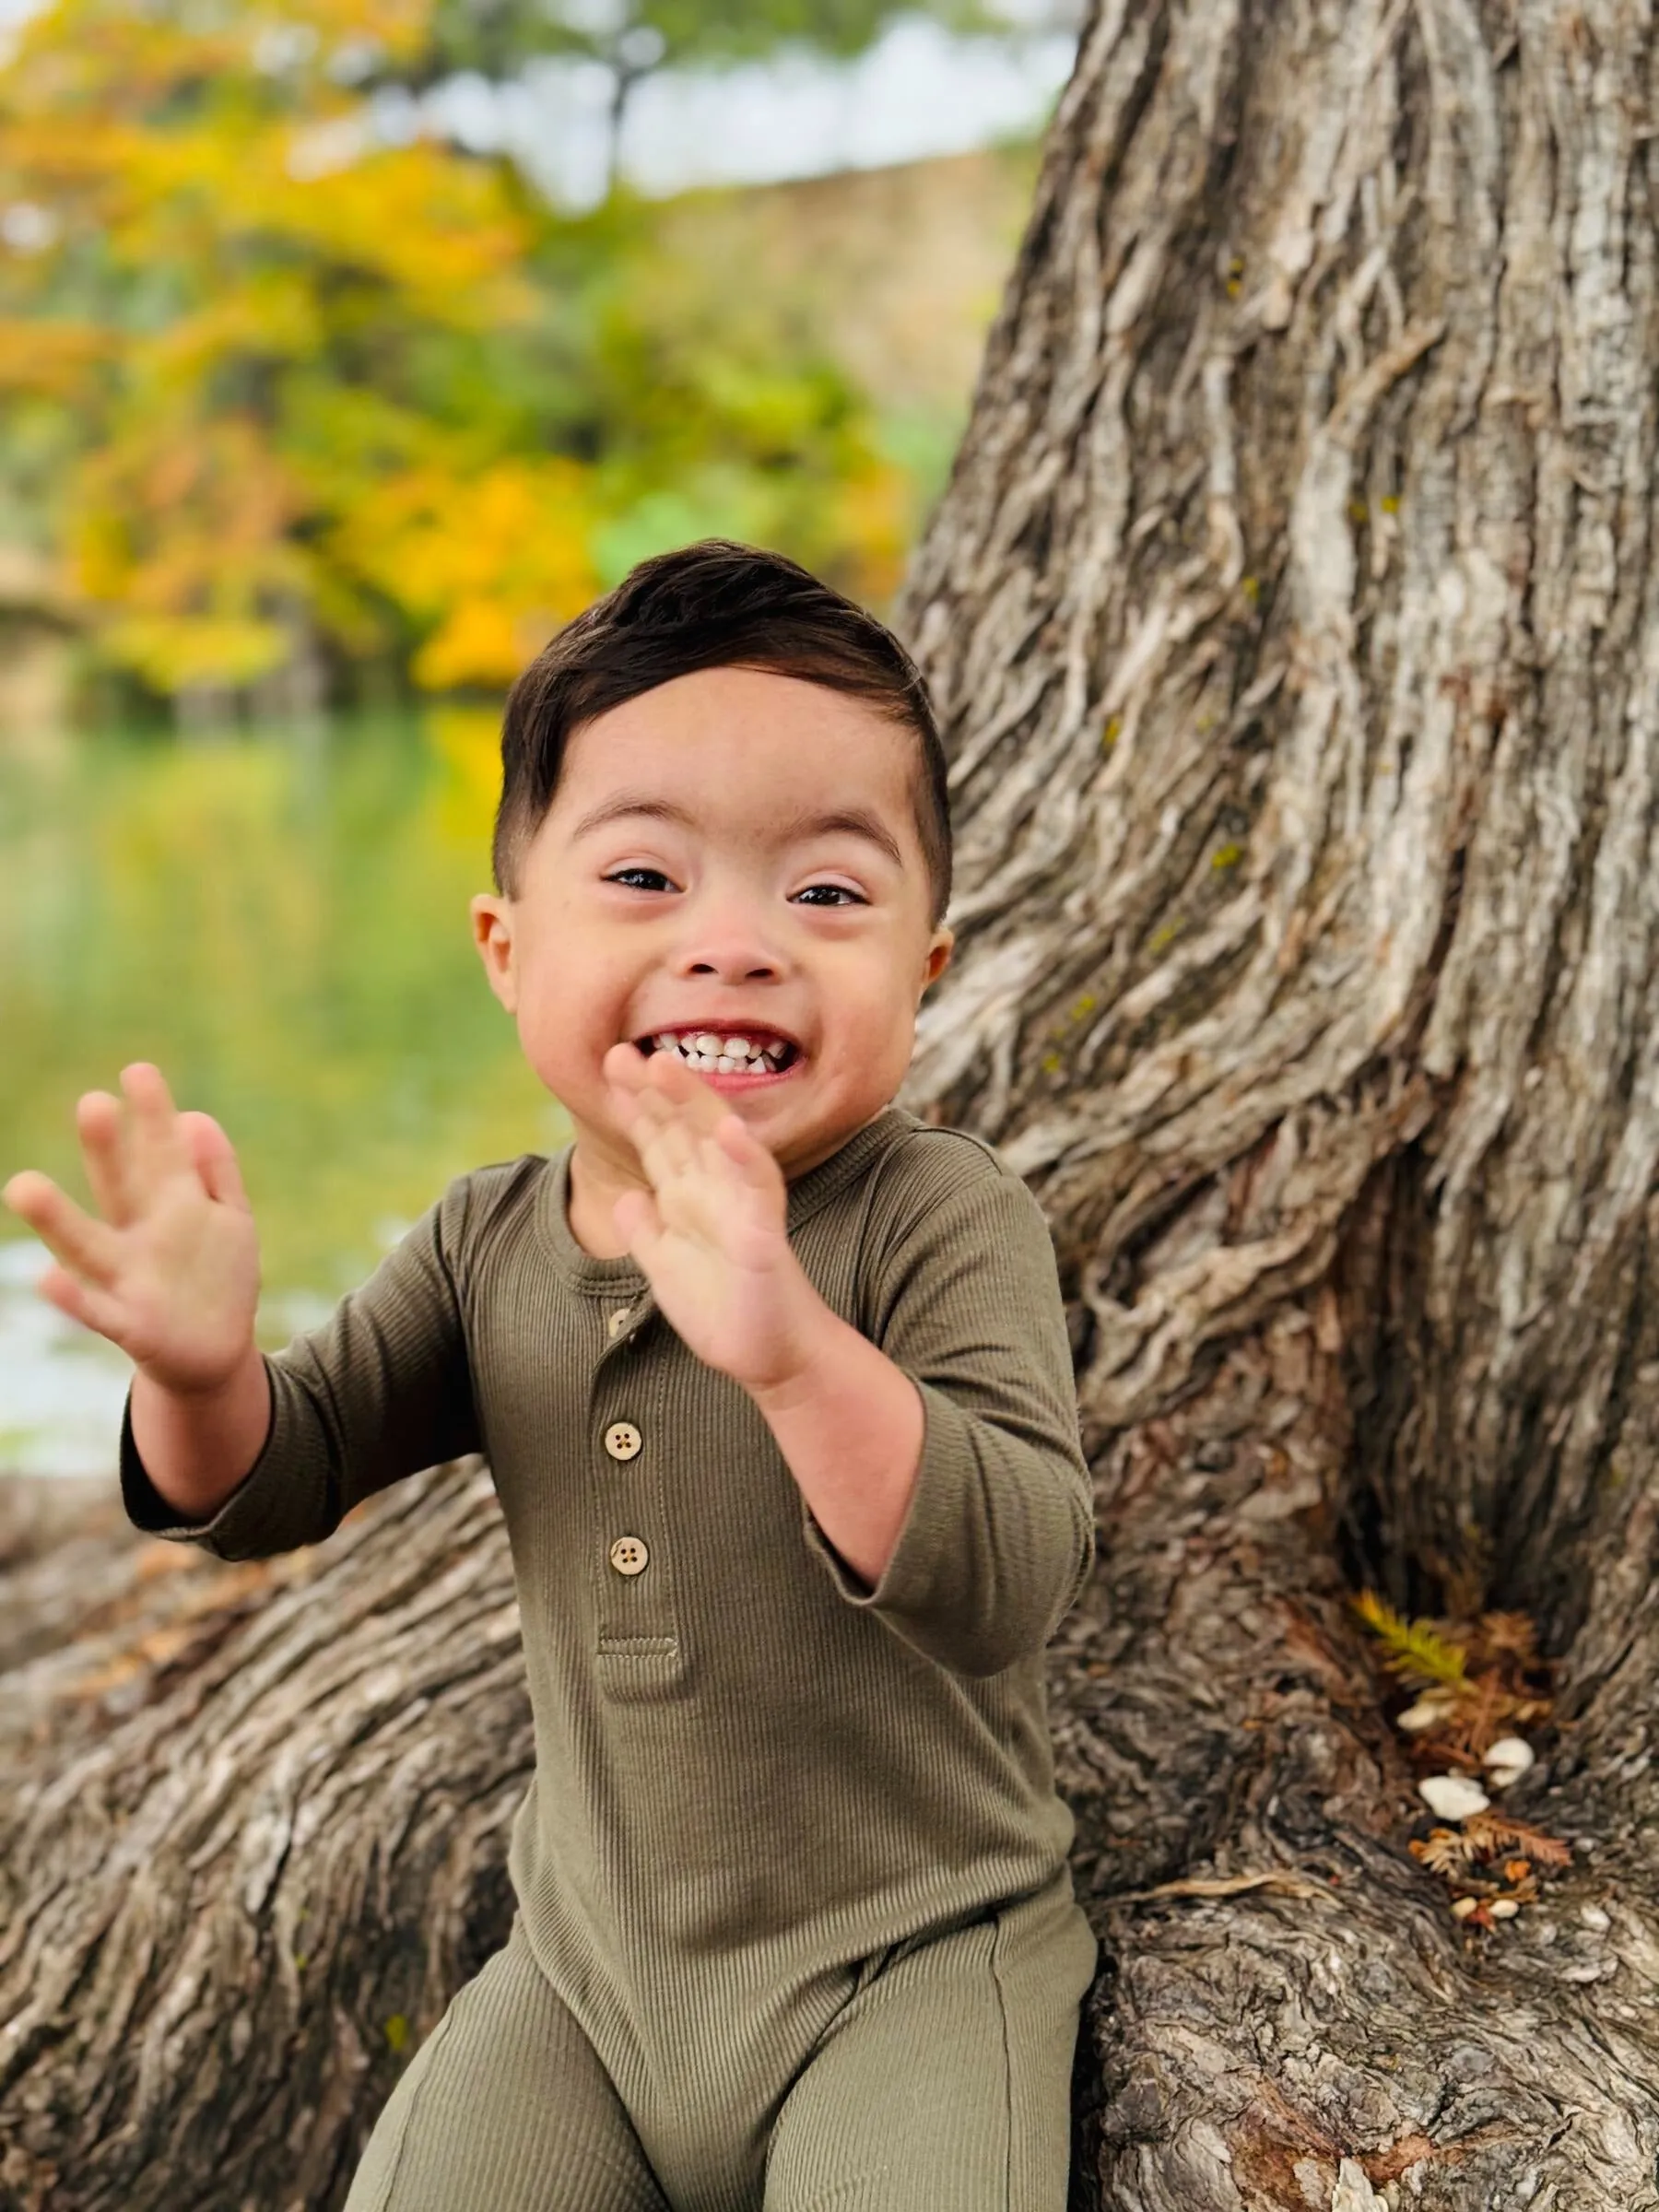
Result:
<point x="169" y="1267"/>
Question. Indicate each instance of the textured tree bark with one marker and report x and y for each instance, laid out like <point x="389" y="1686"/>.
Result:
<point x="254" y="1836"/>
<point x="1295" y="624"/>
<point x="1292" y="609"/>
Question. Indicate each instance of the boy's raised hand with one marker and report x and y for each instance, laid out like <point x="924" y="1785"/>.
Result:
<point x="711" y="1233"/>
<point x="171" y="1273"/>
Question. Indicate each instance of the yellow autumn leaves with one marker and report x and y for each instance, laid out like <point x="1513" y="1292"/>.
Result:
<point x="281" y="378"/>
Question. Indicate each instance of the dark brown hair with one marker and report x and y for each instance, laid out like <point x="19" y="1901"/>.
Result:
<point x="711" y="605"/>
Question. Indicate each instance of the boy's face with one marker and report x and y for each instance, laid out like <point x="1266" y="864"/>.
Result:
<point x="698" y="872"/>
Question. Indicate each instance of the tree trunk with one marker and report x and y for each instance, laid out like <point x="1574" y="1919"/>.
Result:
<point x="1295" y="616"/>
<point x="261" y="1839"/>
<point x="1293" y="619"/>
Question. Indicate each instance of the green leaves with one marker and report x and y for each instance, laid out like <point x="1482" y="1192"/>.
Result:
<point x="1415" y="1652"/>
<point x="498" y="36"/>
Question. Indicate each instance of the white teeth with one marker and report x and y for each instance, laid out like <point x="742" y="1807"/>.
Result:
<point x="721" y="1055"/>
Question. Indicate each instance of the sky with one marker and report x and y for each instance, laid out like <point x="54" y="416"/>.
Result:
<point x="918" y="92"/>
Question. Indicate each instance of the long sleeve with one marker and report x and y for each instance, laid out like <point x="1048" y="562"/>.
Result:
<point x="380" y="1391"/>
<point x="965" y="1299"/>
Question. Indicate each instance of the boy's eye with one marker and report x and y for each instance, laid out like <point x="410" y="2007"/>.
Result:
<point x="840" y="893"/>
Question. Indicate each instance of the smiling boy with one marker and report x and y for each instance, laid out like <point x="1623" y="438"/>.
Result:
<point x="773" y="1382"/>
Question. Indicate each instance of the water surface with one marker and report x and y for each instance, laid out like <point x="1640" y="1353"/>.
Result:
<point x="279" y="920"/>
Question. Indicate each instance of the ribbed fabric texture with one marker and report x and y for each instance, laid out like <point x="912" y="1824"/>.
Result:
<point x="753" y="1774"/>
<point x="942" y="2085"/>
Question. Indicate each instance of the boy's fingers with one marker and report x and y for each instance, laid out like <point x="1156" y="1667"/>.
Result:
<point x="680" y="1094"/>
<point x="665" y="1147"/>
<point x="654" y="1092"/>
<point x="73" y="1238"/>
<point x="664" y="1077"/>
<point x="92" y="1309"/>
<point x="624" y="1065"/>
<point x="159" y="1150"/>
<point x="97" y="1124"/>
<point x="215" y="1159"/>
<point x="747" y="1154"/>
<point x="654" y="1114"/>
<point x="671" y="1115"/>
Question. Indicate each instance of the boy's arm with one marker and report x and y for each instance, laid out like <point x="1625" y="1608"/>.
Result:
<point x="967" y="1394"/>
<point x="380" y="1391"/>
<point x="852" y="1428"/>
<point x="199" y="1445"/>
<point x="939" y="1457"/>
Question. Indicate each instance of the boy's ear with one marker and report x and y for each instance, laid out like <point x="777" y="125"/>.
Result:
<point x="939" y="955"/>
<point x="492" y="933"/>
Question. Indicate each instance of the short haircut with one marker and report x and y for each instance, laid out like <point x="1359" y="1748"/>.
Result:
<point x="714" y="604"/>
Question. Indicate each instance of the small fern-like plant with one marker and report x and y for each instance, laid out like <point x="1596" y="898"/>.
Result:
<point x="1415" y="1650"/>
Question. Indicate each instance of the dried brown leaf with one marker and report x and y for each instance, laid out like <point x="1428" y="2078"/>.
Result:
<point x="1443" y="1851"/>
<point x="1491" y="1832"/>
<point x="1511" y="1634"/>
<point x="1484" y="1714"/>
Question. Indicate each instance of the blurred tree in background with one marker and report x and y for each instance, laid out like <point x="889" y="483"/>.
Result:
<point x="310" y="408"/>
<point x="630" y="39"/>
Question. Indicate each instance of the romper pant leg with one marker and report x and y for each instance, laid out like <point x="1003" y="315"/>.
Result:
<point x="505" y="2108"/>
<point x="945" y="2082"/>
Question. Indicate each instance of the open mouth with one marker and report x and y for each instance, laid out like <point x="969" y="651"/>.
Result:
<point x="726" y="1052"/>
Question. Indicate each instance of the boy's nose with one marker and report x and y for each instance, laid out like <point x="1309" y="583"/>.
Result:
<point x="732" y="964"/>
<point x="730" y="945"/>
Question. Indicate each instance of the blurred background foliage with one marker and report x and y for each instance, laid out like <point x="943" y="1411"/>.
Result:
<point x="299" y="412"/>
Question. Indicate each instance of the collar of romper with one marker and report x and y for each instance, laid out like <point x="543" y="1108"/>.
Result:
<point x="612" y="1278"/>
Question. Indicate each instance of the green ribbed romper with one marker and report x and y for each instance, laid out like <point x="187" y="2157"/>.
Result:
<point x="795" y="1931"/>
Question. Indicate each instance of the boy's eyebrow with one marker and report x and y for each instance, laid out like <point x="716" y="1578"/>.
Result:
<point x="853" y="822"/>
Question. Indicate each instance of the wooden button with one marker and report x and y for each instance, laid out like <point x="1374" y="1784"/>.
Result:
<point x="629" y="1555"/>
<point x="622" y="1440"/>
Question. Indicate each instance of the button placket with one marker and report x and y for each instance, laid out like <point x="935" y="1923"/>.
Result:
<point x="636" y="1620"/>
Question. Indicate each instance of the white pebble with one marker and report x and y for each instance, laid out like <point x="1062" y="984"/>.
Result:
<point x="1593" y="1917"/>
<point x="1426" y="1713"/>
<point x="1462" y="1906"/>
<point x="1508" y="1760"/>
<point x="1453" y="1796"/>
<point x="1504" y="1907"/>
